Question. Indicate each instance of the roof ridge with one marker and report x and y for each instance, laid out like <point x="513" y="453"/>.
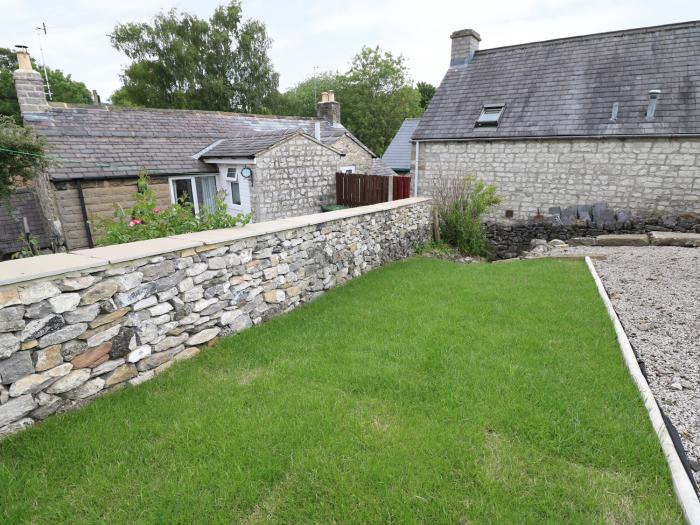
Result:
<point x="109" y="107"/>
<point x="618" y="32"/>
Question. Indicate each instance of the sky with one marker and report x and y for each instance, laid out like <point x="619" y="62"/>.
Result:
<point x="325" y="34"/>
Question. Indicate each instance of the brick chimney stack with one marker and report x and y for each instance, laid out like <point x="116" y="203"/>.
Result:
<point x="29" y="85"/>
<point x="328" y="109"/>
<point x="465" y="42"/>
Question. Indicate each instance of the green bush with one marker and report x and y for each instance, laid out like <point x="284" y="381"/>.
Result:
<point x="146" y="220"/>
<point x="461" y="207"/>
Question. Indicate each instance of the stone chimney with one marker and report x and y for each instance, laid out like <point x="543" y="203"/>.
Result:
<point x="29" y="85"/>
<point x="465" y="42"/>
<point x="328" y="109"/>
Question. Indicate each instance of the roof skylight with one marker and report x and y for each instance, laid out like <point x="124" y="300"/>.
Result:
<point x="490" y="115"/>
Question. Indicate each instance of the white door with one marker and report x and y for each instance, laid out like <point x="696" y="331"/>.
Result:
<point x="237" y="191"/>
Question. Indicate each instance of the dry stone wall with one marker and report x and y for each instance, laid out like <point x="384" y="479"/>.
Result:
<point x="76" y="334"/>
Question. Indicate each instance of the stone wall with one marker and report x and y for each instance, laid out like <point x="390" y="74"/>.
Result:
<point x="100" y="198"/>
<point x="294" y="178"/>
<point x="76" y="326"/>
<point x="355" y="155"/>
<point x="643" y="176"/>
<point x="509" y="239"/>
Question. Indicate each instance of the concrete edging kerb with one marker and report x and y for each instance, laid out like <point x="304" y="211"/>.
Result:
<point x="682" y="486"/>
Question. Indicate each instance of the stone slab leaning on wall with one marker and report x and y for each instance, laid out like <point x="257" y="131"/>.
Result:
<point x="75" y="326"/>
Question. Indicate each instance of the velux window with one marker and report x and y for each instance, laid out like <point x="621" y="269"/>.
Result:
<point x="490" y="115"/>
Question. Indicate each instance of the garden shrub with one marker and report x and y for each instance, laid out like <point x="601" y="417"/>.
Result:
<point x="461" y="206"/>
<point x="147" y="220"/>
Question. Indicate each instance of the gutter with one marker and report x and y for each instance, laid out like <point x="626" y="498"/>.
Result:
<point x="682" y="484"/>
<point x="83" y="209"/>
<point x="564" y="137"/>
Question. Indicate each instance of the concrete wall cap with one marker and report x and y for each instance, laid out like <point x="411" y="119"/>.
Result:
<point x="19" y="270"/>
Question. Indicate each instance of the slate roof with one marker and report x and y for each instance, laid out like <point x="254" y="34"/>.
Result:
<point x="23" y="203"/>
<point x="97" y="142"/>
<point x="245" y="145"/>
<point x="567" y="87"/>
<point x="378" y="167"/>
<point x="398" y="154"/>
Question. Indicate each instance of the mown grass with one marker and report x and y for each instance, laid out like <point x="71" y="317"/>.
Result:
<point x="424" y="392"/>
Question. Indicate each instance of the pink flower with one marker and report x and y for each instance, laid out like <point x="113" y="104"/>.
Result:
<point x="157" y="210"/>
<point x="134" y="222"/>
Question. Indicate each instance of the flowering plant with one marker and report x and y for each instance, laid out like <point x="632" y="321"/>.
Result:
<point x="146" y="220"/>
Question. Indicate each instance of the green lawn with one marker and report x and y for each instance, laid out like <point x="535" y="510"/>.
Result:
<point x="423" y="392"/>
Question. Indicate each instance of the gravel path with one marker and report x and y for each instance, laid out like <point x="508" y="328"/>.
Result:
<point x="656" y="293"/>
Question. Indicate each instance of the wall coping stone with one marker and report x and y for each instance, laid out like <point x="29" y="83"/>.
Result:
<point x="32" y="268"/>
<point x="29" y="269"/>
<point x="131" y="251"/>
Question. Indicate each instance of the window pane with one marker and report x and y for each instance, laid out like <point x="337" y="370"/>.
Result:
<point x="183" y="191"/>
<point x="490" y="114"/>
<point x="206" y="192"/>
<point x="235" y="192"/>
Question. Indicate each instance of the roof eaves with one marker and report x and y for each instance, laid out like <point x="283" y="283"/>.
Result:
<point x="600" y="136"/>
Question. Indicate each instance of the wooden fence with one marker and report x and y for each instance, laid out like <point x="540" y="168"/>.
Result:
<point x="353" y="189"/>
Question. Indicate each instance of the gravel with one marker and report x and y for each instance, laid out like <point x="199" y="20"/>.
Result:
<point x="656" y="293"/>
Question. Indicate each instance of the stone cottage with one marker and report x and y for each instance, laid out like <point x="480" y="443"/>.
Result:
<point x="598" y="130"/>
<point x="269" y="166"/>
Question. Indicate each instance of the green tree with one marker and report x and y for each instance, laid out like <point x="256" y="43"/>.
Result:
<point x="426" y="92"/>
<point x="301" y="99"/>
<point x="182" y="61"/>
<point x="376" y="95"/>
<point x="21" y="155"/>
<point x="63" y="87"/>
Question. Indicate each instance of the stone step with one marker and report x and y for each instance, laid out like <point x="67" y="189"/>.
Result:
<point x="641" y="239"/>
<point x="675" y="239"/>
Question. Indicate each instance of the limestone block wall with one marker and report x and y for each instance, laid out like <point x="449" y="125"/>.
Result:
<point x="100" y="199"/>
<point x="354" y="154"/>
<point x="644" y="176"/>
<point x="76" y="326"/>
<point x="294" y="178"/>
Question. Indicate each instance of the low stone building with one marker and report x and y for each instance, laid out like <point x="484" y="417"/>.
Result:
<point x="272" y="167"/>
<point x="599" y="131"/>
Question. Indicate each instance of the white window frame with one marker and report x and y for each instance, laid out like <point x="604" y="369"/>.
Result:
<point x="347" y="169"/>
<point x="191" y="178"/>
<point x="236" y="177"/>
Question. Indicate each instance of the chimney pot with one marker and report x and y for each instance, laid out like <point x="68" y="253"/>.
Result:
<point x="331" y="96"/>
<point x="23" y="60"/>
<point x="465" y="43"/>
<point x="324" y="96"/>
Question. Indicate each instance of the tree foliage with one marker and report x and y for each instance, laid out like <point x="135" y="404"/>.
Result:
<point x="182" y="61"/>
<point x="21" y="155"/>
<point x="63" y="87"/>
<point x="426" y="92"/>
<point x="376" y="95"/>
